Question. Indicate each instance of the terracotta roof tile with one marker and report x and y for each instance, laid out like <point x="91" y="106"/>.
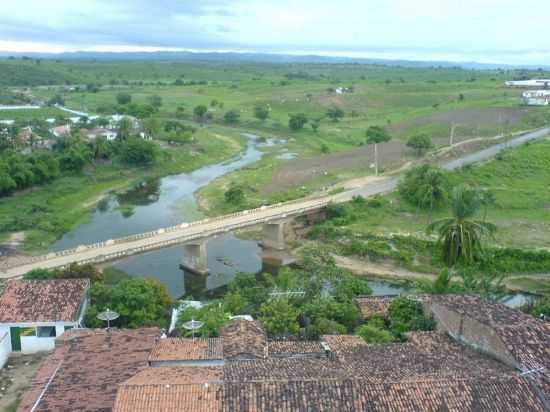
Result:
<point x="286" y="348"/>
<point x="244" y="339"/>
<point x="169" y="398"/>
<point x="42" y="300"/>
<point x="176" y="375"/>
<point x="183" y="349"/>
<point x="371" y="305"/>
<point x="89" y="369"/>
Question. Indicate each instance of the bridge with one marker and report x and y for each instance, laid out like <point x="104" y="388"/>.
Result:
<point x="193" y="236"/>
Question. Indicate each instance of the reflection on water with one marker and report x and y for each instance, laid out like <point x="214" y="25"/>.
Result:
<point x="165" y="202"/>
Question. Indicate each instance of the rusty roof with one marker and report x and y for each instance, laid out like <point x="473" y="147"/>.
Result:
<point x="372" y="305"/>
<point x="42" y="300"/>
<point x="244" y="339"/>
<point x="185" y="349"/>
<point x="84" y="371"/>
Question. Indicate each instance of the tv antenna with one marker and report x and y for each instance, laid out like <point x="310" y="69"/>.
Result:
<point x="108" y="315"/>
<point x="193" y="325"/>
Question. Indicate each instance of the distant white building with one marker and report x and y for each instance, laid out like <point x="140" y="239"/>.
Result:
<point x="93" y="134"/>
<point x="34" y="312"/>
<point x="533" y="83"/>
<point x="61" y="131"/>
<point x="536" y="97"/>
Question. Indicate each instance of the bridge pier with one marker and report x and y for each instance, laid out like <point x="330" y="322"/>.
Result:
<point x="274" y="235"/>
<point x="195" y="258"/>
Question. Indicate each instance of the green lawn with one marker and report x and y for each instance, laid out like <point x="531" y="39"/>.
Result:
<point x="31" y="114"/>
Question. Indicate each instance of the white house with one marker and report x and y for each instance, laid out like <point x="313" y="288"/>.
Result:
<point x="93" y="134"/>
<point x="533" y="83"/>
<point x="536" y="97"/>
<point x="34" y="312"/>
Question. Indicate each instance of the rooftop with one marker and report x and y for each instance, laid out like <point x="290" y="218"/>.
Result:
<point x="371" y="305"/>
<point x="85" y="369"/>
<point x="184" y="349"/>
<point x="244" y="339"/>
<point x="42" y="300"/>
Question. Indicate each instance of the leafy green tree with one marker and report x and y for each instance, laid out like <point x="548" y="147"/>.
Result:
<point x="377" y="135"/>
<point x="420" y="143"/>
<point x="140" y="303"/>
<point x="200" y="112"/>
<point x="345" y="313"/>
<point x="425" y="186"/>
<point x="325" y="327"/>
<point x="234" y="195"/>
<point x="261" y="112"/>
<point x="374" y="335"/>
<point x="57" y="99"/>
<point x="461" y="236"/>
<point x="297" y="121"/>
<point x="335" y="113"/>
<point x="124" y="129"/>
<point x="231" y="117"/>
<point x="7" y="184"/>
<point x="406" y="315"/>
<point x="279" y="317"/>
<point x="315" y="125"/>
<point x="123" y="98"/>
<point x="38" y="274"/>
<point x="155" y="101"/>
<point x="213" y="316"/>
<point x="539" y="307"/>
<point x="136" y="151"/>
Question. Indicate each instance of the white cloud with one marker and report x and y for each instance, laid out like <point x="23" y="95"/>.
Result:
<point x="490" y="30"/>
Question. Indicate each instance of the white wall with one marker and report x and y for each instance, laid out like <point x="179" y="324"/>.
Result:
<point x="5" y="346"/>
<point x="32" y="344"/>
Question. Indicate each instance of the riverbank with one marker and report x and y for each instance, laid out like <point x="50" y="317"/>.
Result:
<point x="47" y="212"/>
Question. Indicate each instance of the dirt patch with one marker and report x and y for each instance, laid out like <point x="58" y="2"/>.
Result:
<point x="298" y="172"/>
<point x="330" y="100"/>
<point x="16" y="377"/>
<point x="382" y="270"/>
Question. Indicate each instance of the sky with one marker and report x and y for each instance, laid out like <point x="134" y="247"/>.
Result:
<point x="490" y="31"/>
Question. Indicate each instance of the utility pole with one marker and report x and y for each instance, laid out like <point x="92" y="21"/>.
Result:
<point x="453" y="126"/>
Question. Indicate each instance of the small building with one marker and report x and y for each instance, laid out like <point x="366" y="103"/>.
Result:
<point x="536" y="97"/>
<point x="61" y="131"/>
<point x="92" y="134"/>
<point x="34" y="312"/>
<point x="529" y="84"/>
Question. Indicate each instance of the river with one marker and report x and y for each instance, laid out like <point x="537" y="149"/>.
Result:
<point x="171" y="200"/>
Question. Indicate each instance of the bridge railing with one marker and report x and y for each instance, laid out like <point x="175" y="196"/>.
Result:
<point x="313" y="203"/>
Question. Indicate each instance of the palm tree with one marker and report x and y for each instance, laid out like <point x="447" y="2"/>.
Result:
<point x="461" y="235"/>
<point x="433" y="191"/>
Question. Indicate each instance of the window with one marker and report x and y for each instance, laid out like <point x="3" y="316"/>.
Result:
<point x="27" y="331"/>
<point x="46" y="331"/>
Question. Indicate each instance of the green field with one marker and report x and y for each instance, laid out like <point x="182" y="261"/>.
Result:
<point x="404" y="100"/>
<point x="28" y="114"/>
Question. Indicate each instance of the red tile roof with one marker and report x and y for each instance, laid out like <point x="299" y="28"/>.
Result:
<point x="169" y="398"/>
<point x="84" y="371"/>
<point x="244" y="339"/>
<point x="289" y="348"/>
<point x="176" y="375"/>
<point x="42" y="300"/>
<point x="184" y="349"/>
<point x="371" y="305"/>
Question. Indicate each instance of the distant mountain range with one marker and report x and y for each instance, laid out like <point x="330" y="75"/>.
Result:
<point x="236" y="57"/>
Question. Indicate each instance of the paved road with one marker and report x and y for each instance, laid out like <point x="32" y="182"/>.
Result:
<point x="186" y="233"/>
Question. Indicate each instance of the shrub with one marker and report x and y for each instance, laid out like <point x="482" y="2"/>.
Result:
<point x="372" y="334"/>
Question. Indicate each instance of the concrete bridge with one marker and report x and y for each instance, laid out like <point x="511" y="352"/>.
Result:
<point x="193" y="236"/>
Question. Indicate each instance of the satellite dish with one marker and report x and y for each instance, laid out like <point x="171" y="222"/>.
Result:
<point x="193" y="325"/>
<point x="108" y="315"/>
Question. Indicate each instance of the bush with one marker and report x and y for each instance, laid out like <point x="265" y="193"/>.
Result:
<point x="261" y="112"/>
<point x="123" y="98"/>
<point x="325" y="326"/>
<point x="231" y="117"/>
<point x="407" y="315"/>
<point x="372" y="334"/>
<point x="234" y="195"/>
<point x="297" y="121"/>
<point x="279" y="318"/>
<point x="137" y="152"/>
